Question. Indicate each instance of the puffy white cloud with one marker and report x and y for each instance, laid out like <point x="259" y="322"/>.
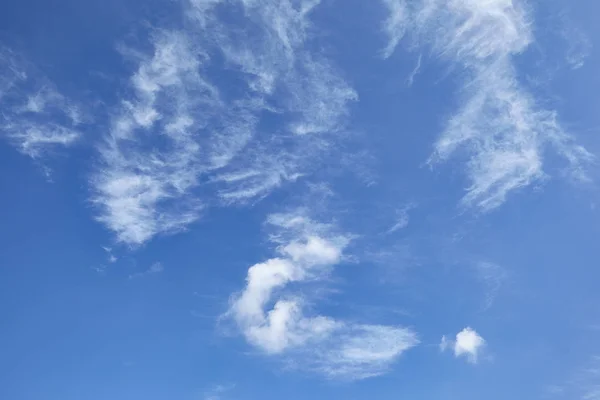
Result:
<point x="305" y="257"/>
<point x="274" y="320"/>
<point x="467" y="343"/>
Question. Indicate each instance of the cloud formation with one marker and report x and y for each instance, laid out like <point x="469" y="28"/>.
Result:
<point x="468" y="343"/>
<point x="492" y="276"/>
<point x="500" y="124"/>
<point x="274" y="320"/>
<point x="36" y="118"/>
<point x="154" y="269"/>
<point x="182" y="124"/>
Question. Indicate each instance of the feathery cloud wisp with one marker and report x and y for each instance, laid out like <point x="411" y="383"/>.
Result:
<point x="36" y="117"/>
<point x="180" y="125"/>
<point x="500" y="123"/>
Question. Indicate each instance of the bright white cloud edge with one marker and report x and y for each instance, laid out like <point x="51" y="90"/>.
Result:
<point x="468" y="343"/>
<point x="274" y="320"/>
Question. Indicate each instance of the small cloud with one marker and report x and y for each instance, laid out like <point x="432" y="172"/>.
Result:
<point x="415" y="71"/>
<point x="492" y="276"/>
<point x="218" y="392"/>
<point x="99" y="269"/>
<point x="402" y="218"/>
<point x="154" y="269"/>
<point x="177" y="128"/>
<point x="468" y="343"/>
<point x="111" y="257"/>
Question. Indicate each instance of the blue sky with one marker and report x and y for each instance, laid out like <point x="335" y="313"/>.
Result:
<point x="252" y="199"/>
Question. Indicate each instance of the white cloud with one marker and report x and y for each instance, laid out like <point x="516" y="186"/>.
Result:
<point x="274" y="320"/>
<point x="364" y="351"/>
<point x="395" y="25"/>
<point x="35" y="139"/>
<point x="180" y="125"/>
<point x="11" y="70"/>
<point x="402" y="218"/>
<point x="304" y="258"/>
<point x="468" y="343"/>
<point x="499" y="124"/>
<point x="36" y="120"/>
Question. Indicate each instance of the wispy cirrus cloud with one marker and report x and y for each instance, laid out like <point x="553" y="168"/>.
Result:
<point x="493" y="277"/>
<point x="182" y="123"/>
<point x="142" y="188"/>
<point x="395" y="25"/>
<point x="274" y="320"/>
<point x="402" y="218"/>
<point x="35" y="116"/>
<point x="500" y="124"/>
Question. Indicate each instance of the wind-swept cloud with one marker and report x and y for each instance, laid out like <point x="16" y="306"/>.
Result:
<point x="274" y="320"/>
<point x="141" y="188"/>
<point x="181" y="123"/>
<point x="395" y="25"/>
<point x="492" y="276"/>
<point x="36" y="117"/>
<point x="468" y="343"/>
<point x="500" y="123"/>
<point x="363" y="351"/>
<point x="402" y="218"/>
